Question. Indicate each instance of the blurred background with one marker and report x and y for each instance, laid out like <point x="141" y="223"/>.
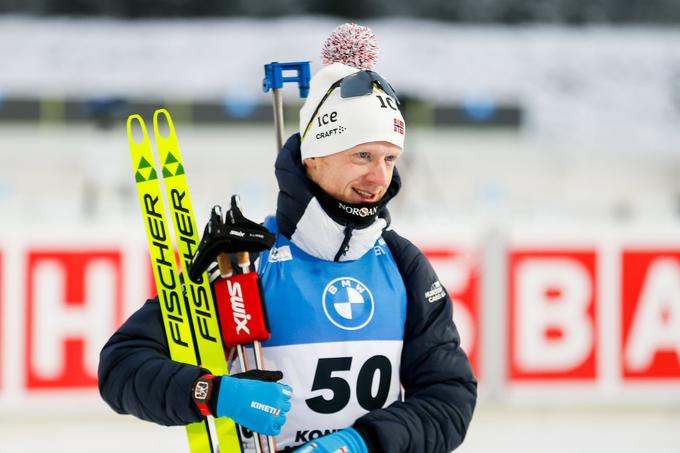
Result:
<point x="541" y="177"/>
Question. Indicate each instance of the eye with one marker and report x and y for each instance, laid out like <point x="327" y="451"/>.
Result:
<point x="364" y="155"/>
<point x="391" y="158"/>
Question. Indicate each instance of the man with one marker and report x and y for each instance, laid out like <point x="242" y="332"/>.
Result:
<point x="356" y="311"/>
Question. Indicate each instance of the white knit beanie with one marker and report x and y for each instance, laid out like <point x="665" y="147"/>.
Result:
<point x="342" y="123"/>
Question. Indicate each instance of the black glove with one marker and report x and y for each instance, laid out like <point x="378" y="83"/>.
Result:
<point x="236" y="234"/>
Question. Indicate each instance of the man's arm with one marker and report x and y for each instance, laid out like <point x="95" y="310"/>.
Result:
<point x="440" y="387"/>
<point x="136" y="375"/>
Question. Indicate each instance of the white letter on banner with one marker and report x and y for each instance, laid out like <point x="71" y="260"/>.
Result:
<point x="656" y="323"/>
<point x="54" y="321"/>
<point x="536" y="313"/>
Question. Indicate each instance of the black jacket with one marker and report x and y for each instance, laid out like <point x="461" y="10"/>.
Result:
<point x="137" y="377"/>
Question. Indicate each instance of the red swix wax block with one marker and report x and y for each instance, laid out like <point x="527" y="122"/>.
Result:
<point x="240" y="303"/>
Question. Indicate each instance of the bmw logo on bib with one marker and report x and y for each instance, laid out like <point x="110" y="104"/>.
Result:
<point x="348" y="303"/>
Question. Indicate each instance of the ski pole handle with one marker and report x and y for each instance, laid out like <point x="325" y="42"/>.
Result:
<point x="243" y="261"/>
<point x="224" y="263"/>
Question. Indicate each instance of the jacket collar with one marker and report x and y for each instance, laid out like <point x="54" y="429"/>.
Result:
<point x="301" y="217"/>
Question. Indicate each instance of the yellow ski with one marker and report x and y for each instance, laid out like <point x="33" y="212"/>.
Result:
<point x="183" y="342"/>
<point x="175" y="317"/>
<point x="201" y="304"/>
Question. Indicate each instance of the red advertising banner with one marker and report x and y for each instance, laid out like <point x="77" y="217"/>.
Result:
<point x="73" y="301"/>
<point x="552" y="315"/>
<point x="606" y="319"/>
<point x="650" y="314"/>
<point x="458" y="271"/>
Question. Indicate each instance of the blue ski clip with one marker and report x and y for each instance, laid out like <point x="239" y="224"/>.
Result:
<point x="274" y="79"/>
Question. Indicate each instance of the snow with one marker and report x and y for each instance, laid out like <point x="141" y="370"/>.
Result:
<point x="610" y="85"/>
<point x="493" y="429"/>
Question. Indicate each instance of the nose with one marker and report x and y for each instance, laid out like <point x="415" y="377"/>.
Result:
<point x="379" y="174"/>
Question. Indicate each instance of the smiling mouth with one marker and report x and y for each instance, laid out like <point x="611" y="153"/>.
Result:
<point x="366" y="196"/>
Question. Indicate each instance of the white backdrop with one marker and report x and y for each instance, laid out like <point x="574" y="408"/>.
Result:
<point x="588" y="185"/>
<point x="75" y="208"/>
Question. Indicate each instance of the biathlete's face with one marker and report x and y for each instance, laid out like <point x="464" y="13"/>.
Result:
<point x="360" y="174"/>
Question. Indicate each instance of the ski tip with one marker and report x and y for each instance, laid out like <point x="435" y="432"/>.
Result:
<point x="130" y="125"/>
<point x="157" y="123"/>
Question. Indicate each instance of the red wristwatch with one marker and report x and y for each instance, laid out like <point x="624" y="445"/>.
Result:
<point x="201" y="393"/>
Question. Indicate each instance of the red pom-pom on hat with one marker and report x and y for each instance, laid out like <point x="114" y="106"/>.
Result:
<point x="351" y="44"/>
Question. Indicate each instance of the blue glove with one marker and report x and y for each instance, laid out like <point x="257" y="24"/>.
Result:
<point x="344" y="441"/>
<point x="253" y="402"/>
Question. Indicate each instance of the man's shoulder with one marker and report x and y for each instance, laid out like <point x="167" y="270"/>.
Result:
<point x="399" y="243"/>
<point x="404" y="251"/>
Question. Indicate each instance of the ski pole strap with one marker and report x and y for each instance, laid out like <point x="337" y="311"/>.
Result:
<point x="236" y="234"/>
<point x="274" y="78"/>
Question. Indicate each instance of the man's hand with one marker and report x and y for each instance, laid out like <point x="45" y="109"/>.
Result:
<point x="345" y="441"/>
<point x="253" y="399"/>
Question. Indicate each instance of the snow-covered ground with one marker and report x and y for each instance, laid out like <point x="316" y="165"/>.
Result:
<point x="493" y="430"/>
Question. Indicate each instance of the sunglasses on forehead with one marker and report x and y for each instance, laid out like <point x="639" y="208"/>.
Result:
<point x="354" y="85"/>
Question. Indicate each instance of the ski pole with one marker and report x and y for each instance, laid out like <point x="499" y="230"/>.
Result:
<point x="243" y="261"/>
<point x="239" y="297"/>
<point x="243" y="315"/>
<point x="274" y="80"/>
<point x="226" y="272"/>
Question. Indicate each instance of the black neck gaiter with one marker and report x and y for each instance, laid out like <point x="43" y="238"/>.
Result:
<point x="357" y="215"/>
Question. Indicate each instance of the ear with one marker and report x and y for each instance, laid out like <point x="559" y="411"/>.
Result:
<point x="309" y="162"/>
